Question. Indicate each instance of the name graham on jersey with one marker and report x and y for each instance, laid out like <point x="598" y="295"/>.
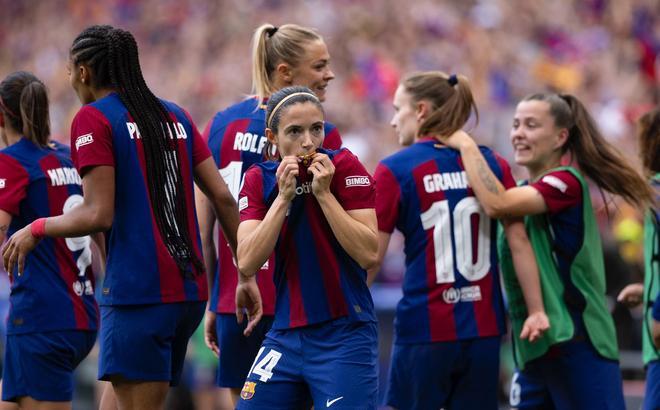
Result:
<point x="445" y="181"/>
<point x="64" y="176"/>
<point x="175" y="130"/>
<point x="249" y="142"/>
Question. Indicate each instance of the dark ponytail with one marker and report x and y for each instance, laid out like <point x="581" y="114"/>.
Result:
<point x="24" y="103"/>
<point x="596" y="157"/>
<point x="648" y="137"/>
<point x="112" y="55"/>
<point x="450" y="98"/>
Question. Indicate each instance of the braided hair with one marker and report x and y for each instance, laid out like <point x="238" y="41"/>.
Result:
<point x="112" y="55"/>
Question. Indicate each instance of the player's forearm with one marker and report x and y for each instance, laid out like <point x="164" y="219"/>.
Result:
<point x="357" y="239"/>
<point x="95" y="213"/>
<point x="483" y="181"/>
<point x="383" y="243"/>
<point x="524" y="262"/>
<point x="210" y="257"/>
<point x="5" y="221"/>
<point x="256" y="246"/>
<point x="79" y="221"/>
<point x="227" y="213"/>
<point x="99" y="240"/>
<point x="206" y="221"/>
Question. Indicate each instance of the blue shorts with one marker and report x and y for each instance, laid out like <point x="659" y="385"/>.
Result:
<point x="652" y="394"/>
<point x="147" y="342"/>
<point x="332" y="365"/>
<point x="570" y="375"/>
<point x="41" y="365"/>
<point x="237" y="352"/>
<point x="455" y="375"/>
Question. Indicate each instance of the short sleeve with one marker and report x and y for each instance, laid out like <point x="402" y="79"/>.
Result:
<point x="507" y="177"/>
<point x="388" y="197"/>
<point x="560" y="190"/>
<point x="332" y="140"/>
<point x="14" y="180"/>
<point x="251" y="199"/>
<point x="352" y="184"/>
<point x="91" y="140"/>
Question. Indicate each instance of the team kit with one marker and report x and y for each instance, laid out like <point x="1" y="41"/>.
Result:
<point x="267" y="232"/>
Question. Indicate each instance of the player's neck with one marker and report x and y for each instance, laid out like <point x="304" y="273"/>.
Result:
<point x="12" y="136"/>
<point x="102" y="92"/>
<point x="535" y="172"/>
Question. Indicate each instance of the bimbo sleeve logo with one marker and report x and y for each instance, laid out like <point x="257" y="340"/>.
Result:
<point x="357" y="181"/>
<point x="84" y="140"/>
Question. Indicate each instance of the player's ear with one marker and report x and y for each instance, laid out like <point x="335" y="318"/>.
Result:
<point x="271" y="137"/>
<point x="85" y="74"/>
<point x="285" y="73"/>
<point x="422" y="110"/>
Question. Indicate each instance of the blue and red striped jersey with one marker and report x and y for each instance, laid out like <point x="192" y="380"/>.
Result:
<point x="315" y="278"/>
<point x="139" y="269"/>
<point x="56" y="289"/>
<point x="451" y="287"/>
<point x="236" y="137"/>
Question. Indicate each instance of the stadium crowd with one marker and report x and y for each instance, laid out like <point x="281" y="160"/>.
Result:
<point x="197" y="53"/>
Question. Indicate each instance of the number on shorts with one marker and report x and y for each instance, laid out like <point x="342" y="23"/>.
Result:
<point x="438" y="218"/>
<point x="81" y="242"/>
<point x="514" y="394"/>
<point x="264" y="367"/>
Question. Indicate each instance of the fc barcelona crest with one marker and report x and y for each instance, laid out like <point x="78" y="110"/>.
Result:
<point x="248" y="390"/>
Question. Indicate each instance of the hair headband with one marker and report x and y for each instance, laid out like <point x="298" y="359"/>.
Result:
<point x="279" y="104"/>
<point x="452" y="80"/>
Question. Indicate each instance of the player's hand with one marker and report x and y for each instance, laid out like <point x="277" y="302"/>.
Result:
<point x="322" y="169"/>
<point x="286" y="175"/>
<point x="632" y="295"/>
<point x="16" y="249"/>
<point x="457" y="139"/>
<point x="535" y="325"/>
<point x="248" y="301"/>
<point x="210" y="333"/>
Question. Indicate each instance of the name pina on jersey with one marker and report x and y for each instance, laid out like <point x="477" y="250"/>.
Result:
<point x="64" y="176"/>
<point x="174" y="130"/>
<point x="445" y="181"/>
<point x="249" y="142"/>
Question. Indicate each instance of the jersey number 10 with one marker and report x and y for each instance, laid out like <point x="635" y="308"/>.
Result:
<point x="439" y="217"/>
